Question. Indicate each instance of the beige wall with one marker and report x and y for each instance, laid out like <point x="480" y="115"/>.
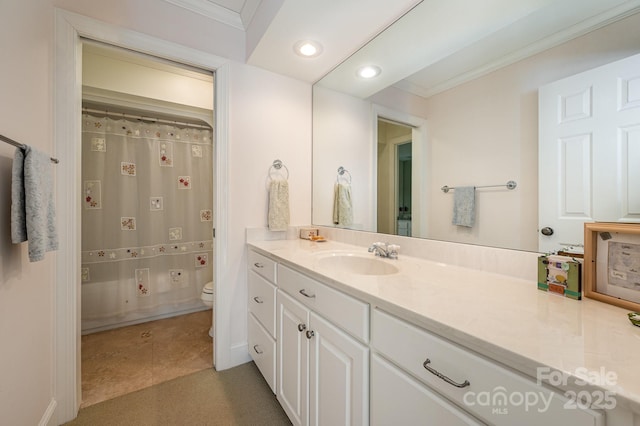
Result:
<point x="269" y="118"/>
<point x="485" y="132"/>
<point x="344" y="139"/>
<point x="160" y="19"/>
<point x="26" y="289"/>
<point x="119" y="71"/>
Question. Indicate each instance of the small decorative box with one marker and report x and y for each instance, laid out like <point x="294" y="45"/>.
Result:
<point x="561" y="275"/>
<point x="308" y="233"/>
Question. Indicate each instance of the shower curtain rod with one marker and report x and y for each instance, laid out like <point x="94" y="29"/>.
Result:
<point x="21" y="146"/>
<point x="144" y="118"/>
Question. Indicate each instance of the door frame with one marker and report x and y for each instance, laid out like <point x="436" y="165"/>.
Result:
<point x="420" y="189"/>
<point x="396" y="166"/>
<point x="70" y="28"/>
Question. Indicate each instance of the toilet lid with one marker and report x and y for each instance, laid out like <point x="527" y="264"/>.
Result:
<point x="208" y="288"/>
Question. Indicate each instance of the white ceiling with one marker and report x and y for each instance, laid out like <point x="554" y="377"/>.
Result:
<point x="341" y="26"/>
<point x="445" y="42"/>
<point x="441" y="44"/>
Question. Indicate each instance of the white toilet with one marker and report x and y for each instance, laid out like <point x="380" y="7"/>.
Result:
<point x="207" y="299"/>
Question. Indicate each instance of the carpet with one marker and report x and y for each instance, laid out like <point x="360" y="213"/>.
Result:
<point x="238" y="396"/>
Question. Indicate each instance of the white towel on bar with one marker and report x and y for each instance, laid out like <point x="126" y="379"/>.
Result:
<point x="278" y="205"/>
<point x="33" y="216"/>
<point x="342" y="204"/>
<point x="464" y="206"/>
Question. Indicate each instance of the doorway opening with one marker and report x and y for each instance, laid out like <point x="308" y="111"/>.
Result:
<point x="147" y="193"/>
<point x="403" y="188"/>
<point x="394" y="180"/>
<point x="70" y="29"/>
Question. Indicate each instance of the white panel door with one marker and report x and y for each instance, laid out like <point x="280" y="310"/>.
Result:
<point x="589" y="152"/>
<point x="338" y="376"/>
<point x="293" y="360"/>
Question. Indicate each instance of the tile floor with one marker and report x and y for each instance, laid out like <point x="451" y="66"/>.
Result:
<point x="127" y="359"/>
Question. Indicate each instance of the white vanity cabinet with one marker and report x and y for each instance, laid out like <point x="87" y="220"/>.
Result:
<point x="261" y="321"/>
<point x="334" y="359"/>
<point x="478" y="387"/>
<point x="323" y="371"/>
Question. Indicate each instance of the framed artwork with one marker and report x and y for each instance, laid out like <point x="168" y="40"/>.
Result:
<point x="612" y="263"/>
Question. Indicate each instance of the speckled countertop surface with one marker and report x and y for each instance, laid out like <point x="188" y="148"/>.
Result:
<point x="506" y="319"/>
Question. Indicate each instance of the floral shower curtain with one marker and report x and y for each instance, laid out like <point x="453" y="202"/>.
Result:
<point x="147" y="215"/>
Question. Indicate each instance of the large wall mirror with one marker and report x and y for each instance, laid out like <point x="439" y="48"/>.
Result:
<point x="456" y="104"/>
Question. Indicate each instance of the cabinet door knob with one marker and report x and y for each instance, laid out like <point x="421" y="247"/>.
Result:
<point x="302" y="327"/>
<point x="310" y="334"/>
<point x="442" y="376"/>
<point x="257" y="349"/>
<point x="258" y="300"/>
<point x="305" y="293"/>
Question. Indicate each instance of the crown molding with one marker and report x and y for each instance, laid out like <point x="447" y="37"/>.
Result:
<point x="219" y="13"/>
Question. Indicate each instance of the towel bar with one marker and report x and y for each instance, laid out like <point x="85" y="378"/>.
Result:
<point x="21" y="146"/>
<point x="510" y="185"/>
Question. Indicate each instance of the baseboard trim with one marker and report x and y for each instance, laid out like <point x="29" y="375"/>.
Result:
<point x="239" y="354"/>
<point x="195" y="306"/>
<point x="48" y="416"/>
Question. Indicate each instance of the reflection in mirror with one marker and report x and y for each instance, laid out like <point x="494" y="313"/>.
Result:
<point x="474" y="123"/>
<point x="394" y="178"/>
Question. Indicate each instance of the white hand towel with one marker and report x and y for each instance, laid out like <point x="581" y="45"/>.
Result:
<point x="464" y="206"/>
<point x="342" y="204"/>
<point x="278" y="205"/>
<point x="33" y="216"/>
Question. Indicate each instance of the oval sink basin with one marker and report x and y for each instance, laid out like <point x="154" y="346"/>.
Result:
<point x="356" y="264"/>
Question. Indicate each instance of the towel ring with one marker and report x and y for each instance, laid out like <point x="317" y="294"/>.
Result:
<point x="277" y="164"/>
<point x="341" y="172"/>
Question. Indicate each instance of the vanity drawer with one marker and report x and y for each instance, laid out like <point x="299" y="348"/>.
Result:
<point x="262" y="265"/>
<point x="344" y="311"/>
<point x="491" y="386"/>
<point x="262" y="348"/>
<point x="399" y="399"/>
<point x="262" y="301"/>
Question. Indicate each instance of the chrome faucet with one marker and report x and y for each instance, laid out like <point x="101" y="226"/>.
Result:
<point x="387" y="250"/>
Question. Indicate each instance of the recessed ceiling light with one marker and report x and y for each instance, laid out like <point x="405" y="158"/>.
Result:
<point x="369" y="71"/>
<point x="308" y="48"/>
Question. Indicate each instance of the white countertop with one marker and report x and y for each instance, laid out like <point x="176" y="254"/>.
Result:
<point x="506" y="319"/>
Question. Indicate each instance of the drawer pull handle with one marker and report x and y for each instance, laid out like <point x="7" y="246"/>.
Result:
<point x="443" y="377"/>
<point x="302" y="327"/>
<point x="310" y="334"/>
<point x="256" y="348"/>
<point x="258" y="300"/>
<point x="258" y="265"/>
<point x="305" y="294"/>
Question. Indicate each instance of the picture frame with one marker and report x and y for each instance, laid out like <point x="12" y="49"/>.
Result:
<point x="612" y="263"/>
